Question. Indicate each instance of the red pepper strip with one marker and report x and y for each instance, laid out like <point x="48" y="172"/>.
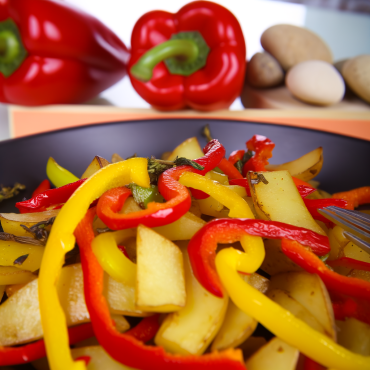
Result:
<point x="314" y="204"/>
<point x="229" y="169"/>
<point x="34" y="351"/>
<point x="262" y="147"/>
<point x="146" y="329"/>
<point x="123" y="250"/>
<point x="350" y="263"/>
<point x="45" y="185"/>
<point x="202" y="247"/>
<point x="345" y="306"/>
<point x="235" y="156"/>
<point x="85" y="359"/>
<point x="357" y="196"/>
<point x="302" y="189"/>
<point x="198" y="194"/>
<point x="309" y="364"/>
<point x="351" y="286"/>
<point x="48" y="198"/>
<point x="158" y="214"/>
<point x="57" y="67"/>
<point x="125" y="348"/>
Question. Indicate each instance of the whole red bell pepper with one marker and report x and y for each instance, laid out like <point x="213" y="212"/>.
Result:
<point x="178" y="200"/>
<point x="202" y="246"/>
<point x="52" y="52"/>
<point x="125" y="348"/>
<point x="195" y="57"/>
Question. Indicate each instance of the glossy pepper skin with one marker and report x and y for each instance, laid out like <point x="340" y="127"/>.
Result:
<point x="131" y="351"/>
<point x="177" y="196"/>
<point x="202" y="247"/>
<point x="218" y="83"/>
<point x="71" y="56"/>
<point x="36" y="350"/>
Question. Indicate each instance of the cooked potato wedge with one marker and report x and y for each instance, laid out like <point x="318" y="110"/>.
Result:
<point x="96" y="164"/>
<point x="189" y="148"/>
<point x="305" y="168"/>
<point x="191" y="330"/>
<point x="279" y="200"/>
<point x="308" y="290"/>
<point x="160" y="281"/>
<point x="276" y="354"/>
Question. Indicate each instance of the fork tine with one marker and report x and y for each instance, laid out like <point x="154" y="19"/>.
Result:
<point x="359" y="242"/>
<point x="358" y="225"/>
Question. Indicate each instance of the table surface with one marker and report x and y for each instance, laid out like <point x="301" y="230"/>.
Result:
<point x="345" y="32"/>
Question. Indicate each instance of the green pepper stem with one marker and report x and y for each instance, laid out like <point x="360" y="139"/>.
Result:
<point x="9" y="46"/>
<point x="187" y="50"/>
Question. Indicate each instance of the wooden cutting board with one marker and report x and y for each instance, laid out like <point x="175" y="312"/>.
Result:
<point x="281" y="98"/>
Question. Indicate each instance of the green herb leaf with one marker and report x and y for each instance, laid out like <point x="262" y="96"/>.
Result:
<point x="207" y="132"/>
<point x="188" y="162"/>
<point x="7" y="192"/>
<point x="239" y="166"/>
<point x="19" y="239"/>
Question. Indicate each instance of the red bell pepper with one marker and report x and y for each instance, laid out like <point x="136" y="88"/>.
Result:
<point x="309" y="364"/>
<point x="44" y="185"/>
<point x="122" y="347"/>
<point x="202" y="247"/>
<point x="262" y="148"/>
<point x="355" y="196"/>
<point x="235" y="156"/>
<point x="36" y="350"/>
<point x="350" y="263"/>
<point x="158" y="214"/>
<point x="53" y="197"/>
<point x="334" y="282"/>
<point x="229" y="169"/>
<point x="345" y="306"/>
<point x="195" y="57"/>
<point x="52" y="52"/>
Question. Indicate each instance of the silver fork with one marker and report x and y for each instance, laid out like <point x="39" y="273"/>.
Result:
<point x="356" y="224"/>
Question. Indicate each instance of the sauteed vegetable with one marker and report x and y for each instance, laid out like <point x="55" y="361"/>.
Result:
<point x="173" y="263"/>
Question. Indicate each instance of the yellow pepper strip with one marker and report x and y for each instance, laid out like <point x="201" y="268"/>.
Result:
<point x="11" y="275"/>
<point x="238" y="206"/>
<point x="61" y="240"/>
<point x="279" y="321"/>
<point x="58" y="175"/>
<point x="10" y="251"/>
<point x="111" y="259"/>
<point x="254" y="253"/>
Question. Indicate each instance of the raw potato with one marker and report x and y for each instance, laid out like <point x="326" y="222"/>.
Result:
<point x="276" y="354"/>
<point x="304" y="168"/>
<point x="11" y="222"/>
<point x="191" y="330"/>
<point x="264" y="71"/>
<point x="96" y="164"/>
<point x="160" y="281"/>
<point x="356" y="72"/>
<point x="315" y="82"/>
<point x="354" y="335"/>
<point x="291" y="45"/>
<point x="190" y="149"/>
<point x="308" y="290"/>
<point x="279" y="200"/>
